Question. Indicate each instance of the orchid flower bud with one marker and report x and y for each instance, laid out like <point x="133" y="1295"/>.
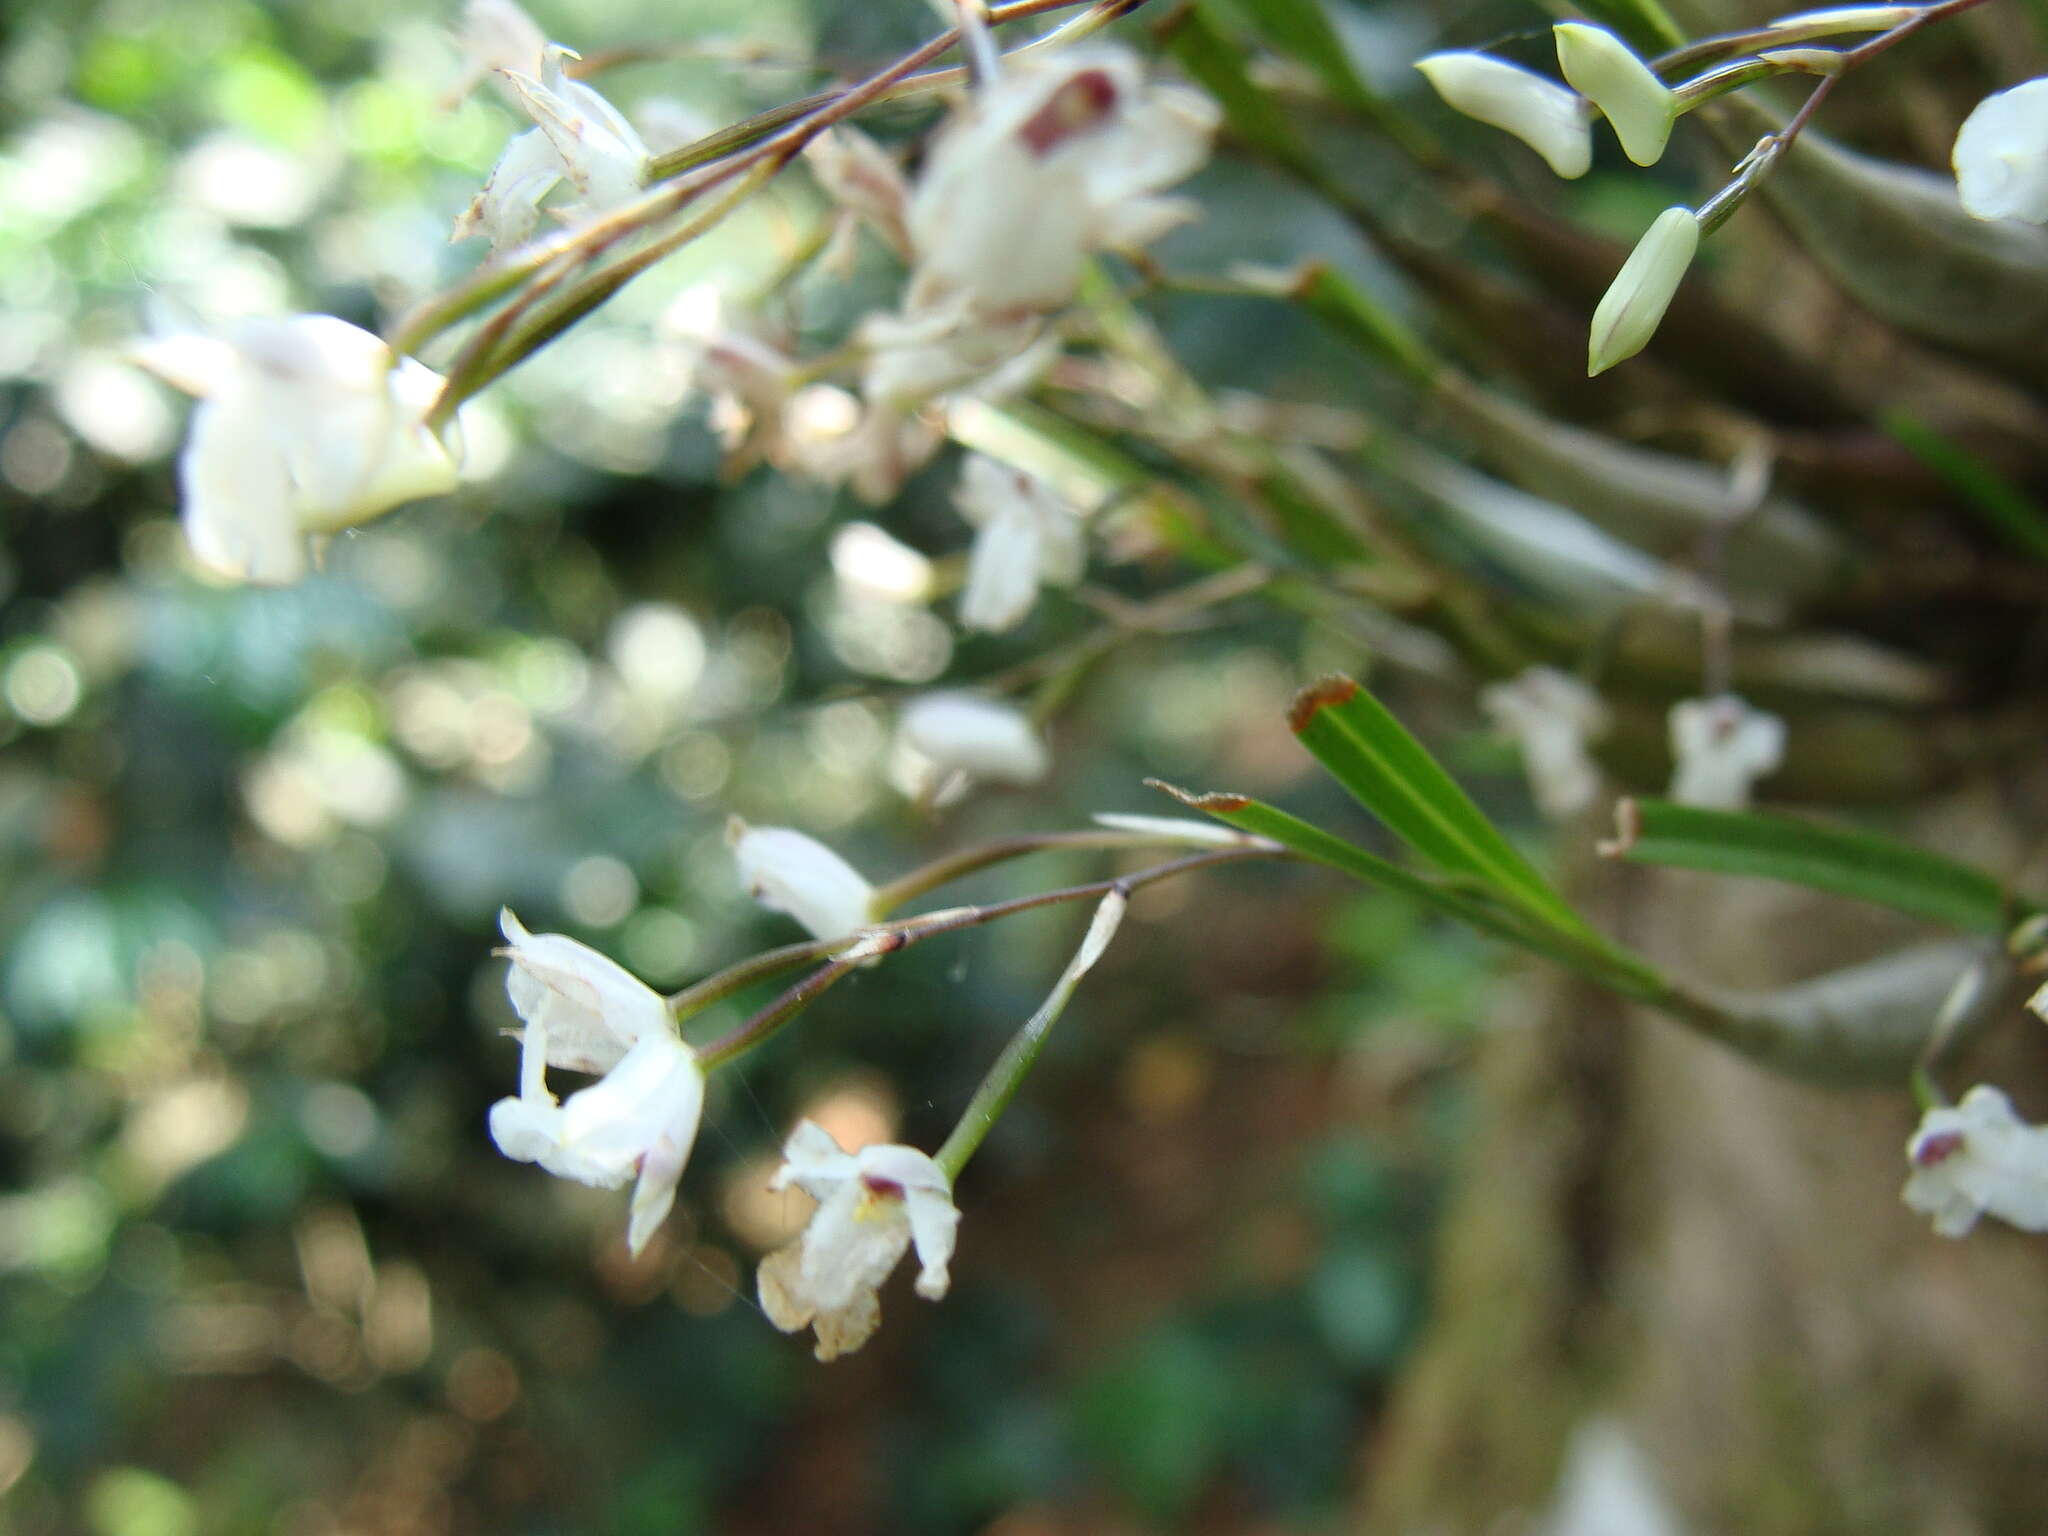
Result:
<point x="966" y="733"/>
<point x="1633" y="306"/>
<point x="2001" y="155"/>
<point x="1722" y="745"/>
<point x="873" y="1206"/>
<point x="1976" y="1158"/>
<point x="1551" y="120"/>
<point x="788" y="872"/>
<point x="1600" y="67"/>
<point x="306" y="425"/>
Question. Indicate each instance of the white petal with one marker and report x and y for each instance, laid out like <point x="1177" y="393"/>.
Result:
<point x="934" y="1224"/>
<point x="592" y="1007"/>
<point x="1721" y="746"/>
<point x="1003" y="569"/>
<point x="235" y="496"/>
<point x="788" y="872"/>
<point x="966" y="733"/>
<point x="814" y="1162"/>
<point x="2001" y="155"/>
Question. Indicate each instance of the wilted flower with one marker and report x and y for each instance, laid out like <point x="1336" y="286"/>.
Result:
<point x="1978" y="1157"/>
<point x="1551" y="120"/>
<point x="1633" y="306"/>
<point x="579" y="138"/>
<point x="2001" y="155"/>
<point x="586" y="1013"/>
<point x="306" y="425"/>
<point x="788" y="872"/>
<point x="1602" y="68"/>
<point x="1552" y="716"/>
<point x="965" y="733"/>
<point x="1722" y="746"/>
<point x="872" y="1206"/>
<point x="1060" y="157"/>
<point x="1027" y="535"/>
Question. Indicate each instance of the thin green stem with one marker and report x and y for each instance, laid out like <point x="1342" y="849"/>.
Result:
<point x="955" y="866"/>
<point x="999" y="1087"/>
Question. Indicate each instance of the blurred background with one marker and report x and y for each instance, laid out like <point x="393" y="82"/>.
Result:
<point x="1317" y="1215"/>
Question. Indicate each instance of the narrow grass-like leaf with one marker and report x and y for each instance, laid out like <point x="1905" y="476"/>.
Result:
<point x="2003" y="504"/>
<point x="1216" y="63"/>
<point x="1475" y="906"/>
<point x="1857" y="864"/>
<point x="1392" y="775"/>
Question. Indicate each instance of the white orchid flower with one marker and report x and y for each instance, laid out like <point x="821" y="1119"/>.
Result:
<point x="2001" y="155"/>
<point x="873" y="1205"/>
<point x="1555" y="122"/>
<point x="578" y="138"/>
<point x="1060" y="157"/>
<point x="1722" y="746"/>
<point x="306" y="425"/>
<point x="787" y="871"/>
<point x="1975" y="1158"/>
<point x="1027" y="536"/>
<point x="956" y="732"/>
<point x="586" y="1013"/>
<point x="1551" y="716"/>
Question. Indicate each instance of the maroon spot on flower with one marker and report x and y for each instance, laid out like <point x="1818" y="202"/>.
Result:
<point x="1929" y="1151"/>
<point x="886" y="1189"/>
<point x="1075" y="108"/>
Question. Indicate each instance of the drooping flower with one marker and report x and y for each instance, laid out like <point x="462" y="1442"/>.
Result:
<point x="1060" y="157"/>
<point x="873" y="1205"/>
<point x="1553" y="121"/>
<point x="306" y="425"/>
<point x="2001" y="155"/>
<point x="1602" y="68"/>
<point x="1551" y="716"/>
<point x="956" y="732"/>
<point x="787" y="871"/>
<point x="578" y="138"/>
<point x="1026" y="535"/>
<point x="1633" y="306"/>
<point x="1721" y="747"/>
<point x="586" y="1013"/>
<point x="1975" y="1158"/>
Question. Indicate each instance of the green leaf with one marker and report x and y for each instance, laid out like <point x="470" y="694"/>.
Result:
<point x="1216" y="63"/>
<point x="2003" y="504"/>
<point x="1302" y="29"/>
<point x="1478" y="907"/>
<point x="1361" y="320"/>
<point x="1392" y="775"/>
<point x="1859" y="864"/>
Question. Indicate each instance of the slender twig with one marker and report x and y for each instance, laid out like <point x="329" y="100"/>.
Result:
<point x="886" y="938"/>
